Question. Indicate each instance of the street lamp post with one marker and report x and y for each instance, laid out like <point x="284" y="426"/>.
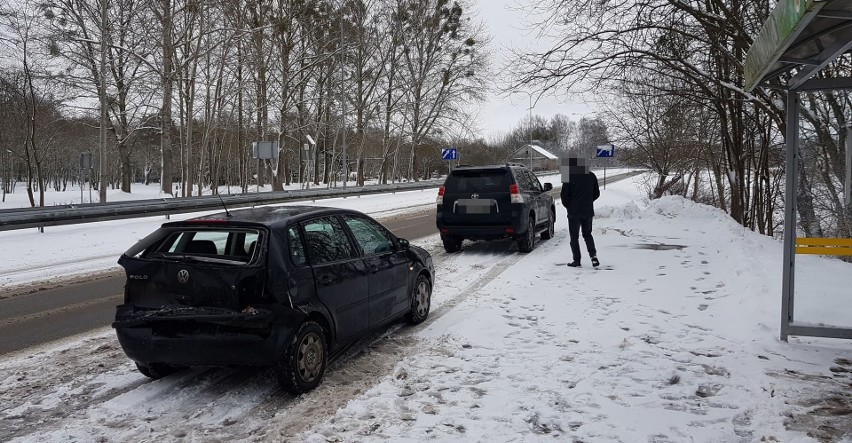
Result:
<point x="343" y="101"/>
<point x="529" y="148"/>
<point x="529" y="126"/>
<point x="531" y="121"/>
<point x="103" y="102"/>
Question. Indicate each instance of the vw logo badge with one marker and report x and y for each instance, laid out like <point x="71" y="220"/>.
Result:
<point x="183" y="276"/>
<point x="474" y="195"/>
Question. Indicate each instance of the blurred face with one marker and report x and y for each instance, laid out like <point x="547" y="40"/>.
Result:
<point x="572" y="165"/>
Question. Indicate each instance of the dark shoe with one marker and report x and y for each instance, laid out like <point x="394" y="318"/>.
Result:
<point x="574" y="264"/>
<point x="595" y="262"/>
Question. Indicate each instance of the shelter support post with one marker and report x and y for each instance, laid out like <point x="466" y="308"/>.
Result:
<point x="791" y="172"/>
<point x="847" y="188"/>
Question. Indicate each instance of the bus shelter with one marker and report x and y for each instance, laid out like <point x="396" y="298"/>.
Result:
<point x="799" y="39"/>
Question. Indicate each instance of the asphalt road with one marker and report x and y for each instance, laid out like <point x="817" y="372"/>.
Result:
<point x="51" y="314"/>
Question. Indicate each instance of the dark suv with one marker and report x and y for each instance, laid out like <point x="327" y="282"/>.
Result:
<point x="285" y="287"/>
<point x="491" y="202"/>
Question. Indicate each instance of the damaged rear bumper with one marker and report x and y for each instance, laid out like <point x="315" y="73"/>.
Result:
<point x="197" y="336"/>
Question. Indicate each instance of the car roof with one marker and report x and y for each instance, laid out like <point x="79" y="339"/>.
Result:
<point x="464" y="168"/>
<point x="270" y="216"/>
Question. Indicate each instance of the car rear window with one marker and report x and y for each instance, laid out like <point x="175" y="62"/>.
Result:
<point x="488" y="180"/>
<point x="228" y="244"/>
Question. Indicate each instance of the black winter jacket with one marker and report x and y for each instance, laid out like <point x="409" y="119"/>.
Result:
<point x="579" y="193"/>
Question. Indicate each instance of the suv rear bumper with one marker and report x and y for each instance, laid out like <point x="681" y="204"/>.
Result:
<point x="189" y="340"/>
<point x="477" y="232"/>
<point x="483" y="232"/>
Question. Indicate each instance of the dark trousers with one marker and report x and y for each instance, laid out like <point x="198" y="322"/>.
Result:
<point x="574" y="226"/>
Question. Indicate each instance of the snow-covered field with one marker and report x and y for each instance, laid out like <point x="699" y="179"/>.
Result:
<point x="678" y="342"/>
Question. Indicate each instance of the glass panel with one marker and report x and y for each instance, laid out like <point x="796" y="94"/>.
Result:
<point x="823" y="262"/>
<point x="327" y="241"/>
<point x="496" y="180"/>
<point x="297" y="249"/>
<point x="535" y="185"/>
<point x="522" y="180"/>
<point x="237" y="245"/>
<point x="373" y="238"/>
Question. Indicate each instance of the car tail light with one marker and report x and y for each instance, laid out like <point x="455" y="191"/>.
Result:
<point x="510" y="231"/>
<point x="440" y="199"/>
<point x="516" y="194"/>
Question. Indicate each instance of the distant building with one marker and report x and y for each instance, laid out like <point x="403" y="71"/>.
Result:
<point x="535" y="157"/>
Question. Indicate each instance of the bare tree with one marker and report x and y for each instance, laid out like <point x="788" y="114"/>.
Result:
<point x="443" y="66"/>
<point x="697" y="45"/>
<point x="164" y="11"/>
<point x="76" y="30"/>
<point x="30" y="82"/>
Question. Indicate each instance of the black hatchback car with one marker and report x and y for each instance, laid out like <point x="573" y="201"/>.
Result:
<point x="285" y="287"/>
<point x="492" y="202"/>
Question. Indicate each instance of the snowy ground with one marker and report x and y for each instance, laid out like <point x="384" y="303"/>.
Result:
<point x="678" y="342"/>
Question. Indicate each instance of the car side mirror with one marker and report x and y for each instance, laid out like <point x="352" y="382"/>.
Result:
<point x="403" y="244"/>
<point x="548" y="186"/>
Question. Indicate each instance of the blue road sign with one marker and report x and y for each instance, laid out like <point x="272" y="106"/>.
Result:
<point x="449" y="154"/>
<point x="606" y="151"/>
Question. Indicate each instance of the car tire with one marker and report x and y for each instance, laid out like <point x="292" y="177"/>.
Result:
<point x="303" y="364"/>
<point x="452" y="244"/>
<point x="421" y="300"/>
<point x="157" y="371"/>
<point x="526" y="242"/>
<point x="551" y="227"/>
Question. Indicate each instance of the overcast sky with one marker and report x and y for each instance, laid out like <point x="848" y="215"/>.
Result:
<point x="506" y="25"/>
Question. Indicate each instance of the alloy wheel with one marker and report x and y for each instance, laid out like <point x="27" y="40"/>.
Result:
<point x="422" y="298"/>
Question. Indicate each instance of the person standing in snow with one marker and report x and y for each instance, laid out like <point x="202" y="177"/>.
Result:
<point x="579" y="191"/>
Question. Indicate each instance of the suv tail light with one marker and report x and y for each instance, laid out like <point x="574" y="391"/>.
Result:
<point x="440" y="199"/>
<point x="516" y="194"/>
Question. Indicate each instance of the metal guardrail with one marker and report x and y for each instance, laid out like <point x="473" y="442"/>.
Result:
<point x="21" y="218"/>
<point x="57" y="215"/>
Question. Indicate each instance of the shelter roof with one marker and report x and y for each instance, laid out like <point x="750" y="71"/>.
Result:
<point x="800" y="38"/>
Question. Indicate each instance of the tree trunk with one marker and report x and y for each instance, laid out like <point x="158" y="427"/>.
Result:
<point x="124" y="158"/>
<point x="805" y="205"/>
<point x="166" y="110"/>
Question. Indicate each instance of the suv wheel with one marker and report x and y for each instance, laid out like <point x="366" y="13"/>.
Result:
<point x="526" y="242"/>
<point x="452" y="244"/>
<point x="551" y="227"/>
<point x="421" y="299"/>
<point x="303" y="365"/>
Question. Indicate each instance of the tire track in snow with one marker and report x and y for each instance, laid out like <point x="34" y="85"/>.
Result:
<point x="90" y="390"/>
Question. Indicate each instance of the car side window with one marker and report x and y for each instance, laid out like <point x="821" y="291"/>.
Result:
<point x="522" y="180"/>
<point x="297" y="248"/>
<point x="535" y="183"/>
<point x="326" y="241"/>
<point x="371" y="236"/>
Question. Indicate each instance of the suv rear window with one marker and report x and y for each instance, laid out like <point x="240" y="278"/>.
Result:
<point x="487" y="180"/>
<point x="227" y="244"/>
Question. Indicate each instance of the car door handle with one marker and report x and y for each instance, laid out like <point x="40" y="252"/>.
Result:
<point x="325" y="279"/>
